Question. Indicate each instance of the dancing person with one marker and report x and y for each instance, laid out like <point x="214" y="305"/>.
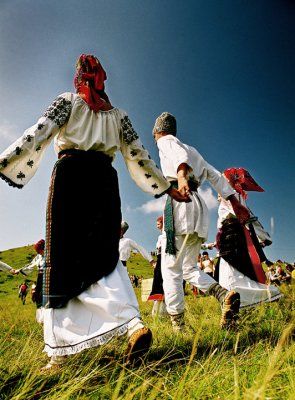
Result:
<point x="126" y="246"/>
<point x="240" y="253"/>
<point x="186" y="225"/>
<point x="38" y="263"/>
<point x="157" y="292"/>
<point x="88" y="299"/>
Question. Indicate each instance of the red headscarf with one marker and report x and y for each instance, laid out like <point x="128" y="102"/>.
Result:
<point x="241" y="180"/>
<point x="160" y="219"/>
<point x="89" y="81"/>
<point x="39" y="246"/>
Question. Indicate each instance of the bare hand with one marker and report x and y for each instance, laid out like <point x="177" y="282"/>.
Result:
<point x="183" y="186"/>
<point x="14" y="271"/>
<point x="153" y="263"/>
<point x="176" y="195"/>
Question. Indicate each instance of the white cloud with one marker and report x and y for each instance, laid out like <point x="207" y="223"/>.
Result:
<point x="210" y="200"/>
<point x="157" y="205"/>
<point x="153" y="206"/>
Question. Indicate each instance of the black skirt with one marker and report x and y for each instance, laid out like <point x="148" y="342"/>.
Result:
<point x="157" y="292"/>
<point x="233" y="249"/>
<point x="83" y="223"/>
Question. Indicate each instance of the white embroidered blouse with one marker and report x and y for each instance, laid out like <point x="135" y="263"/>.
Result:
<point x="73" y="125"/>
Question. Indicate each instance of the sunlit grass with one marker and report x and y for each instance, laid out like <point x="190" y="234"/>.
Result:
<point x="255" y="362"/>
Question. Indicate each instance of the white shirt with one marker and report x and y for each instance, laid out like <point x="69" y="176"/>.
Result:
<point x="159" y="243"/>
<point x="73" y="125"/>
<point x="5" y="267"/>
<point x="37" y="262"/>
<point x="190" y="217"/>
<point x="127" y="245"/>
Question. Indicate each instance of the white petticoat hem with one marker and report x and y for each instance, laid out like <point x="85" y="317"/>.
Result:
<point x="87" y="344"/>
<point x="269" y="300"/>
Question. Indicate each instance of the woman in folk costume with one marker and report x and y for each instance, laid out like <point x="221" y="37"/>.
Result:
<point x="88" y="299"/>
<point x="127" y="245"/>
<point x="157" y="292"/>
<point x="240" y="248"/>
<point x="37" y="262"/>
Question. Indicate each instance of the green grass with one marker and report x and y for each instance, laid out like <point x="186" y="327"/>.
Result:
<point x="255" y="362"/>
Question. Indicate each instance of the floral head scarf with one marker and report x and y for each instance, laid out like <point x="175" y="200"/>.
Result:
<point x="241" y="181"/>
<point x="89" y="81"/>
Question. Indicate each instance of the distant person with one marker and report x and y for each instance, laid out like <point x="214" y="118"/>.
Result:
<point x="38" y="263"/>
<point x="22" y="292"/>
<point x="85" y="289"/>
<point x="126" y="246"/>
<point x="186" y="225"/>
<point x="157" y="292"/>
<point x="206" y="264"/>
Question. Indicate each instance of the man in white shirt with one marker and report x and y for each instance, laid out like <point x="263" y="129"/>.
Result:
<point x="186" y="224"/>
<point x="206" y="264"/>
<point x="127" y="245"/>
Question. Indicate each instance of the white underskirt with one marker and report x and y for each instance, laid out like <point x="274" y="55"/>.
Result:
<point x="107" y="309"/>
<point x="252" y="293"/>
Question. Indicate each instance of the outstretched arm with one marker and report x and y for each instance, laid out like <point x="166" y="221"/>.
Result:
<point x="20" y="161"/>
<point x="141" y="167"/>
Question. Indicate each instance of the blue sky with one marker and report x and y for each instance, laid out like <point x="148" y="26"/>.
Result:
<point x="224" y="68"/>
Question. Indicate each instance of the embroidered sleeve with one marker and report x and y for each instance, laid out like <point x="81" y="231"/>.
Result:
<point x="19" y="163"/>
<point x="141" y="167"/>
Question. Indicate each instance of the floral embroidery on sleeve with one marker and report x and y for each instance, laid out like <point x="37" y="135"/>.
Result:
<point x="18" y="150"/>
<point x="4" y="163"/>
<point x="20" y="175"/>
<point x="129" y="134"/>
<point x="59" y="111"/>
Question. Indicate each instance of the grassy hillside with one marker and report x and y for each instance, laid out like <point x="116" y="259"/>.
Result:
<point x="255" y="362"/>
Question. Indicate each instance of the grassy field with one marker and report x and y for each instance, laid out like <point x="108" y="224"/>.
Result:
<point x="255" y="362"/>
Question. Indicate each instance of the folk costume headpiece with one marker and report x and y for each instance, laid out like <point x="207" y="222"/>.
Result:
<point x="242" y="181"/>
<point x="89" y="81"/>
<point x="124" y="226"/>
<point x="166" y="122"/>
<point x="39" y="246"/>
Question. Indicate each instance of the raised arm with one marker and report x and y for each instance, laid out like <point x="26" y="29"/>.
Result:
<point x="19" y="163"/>
<point x="141" y="167"/>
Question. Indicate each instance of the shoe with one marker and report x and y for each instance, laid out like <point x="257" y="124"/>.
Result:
<point x="54" y="365"/>
<point x="138" y="344"/>
<point x="177" y="322"/>
<point x="50" y="368"/>
<point x="230" y="309"/>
